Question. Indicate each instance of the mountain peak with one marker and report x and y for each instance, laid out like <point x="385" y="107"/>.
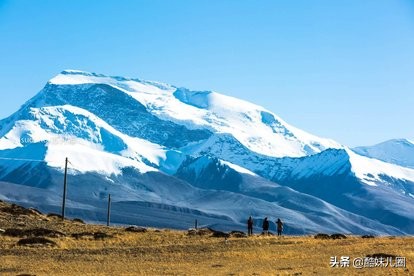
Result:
<point x="402" y="141"/>
<point x="253" y="126"/>
<point x="73" y="77"/>
<point x="395" y="142"/>
<point x="78" y="77"/>
<point x="76" y="72"/>
<point x="395" y="151"/>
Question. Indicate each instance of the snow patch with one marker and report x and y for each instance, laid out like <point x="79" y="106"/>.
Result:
<point x="91" y="143"/>
<point x="369" y="170"/>
<point x="84" y="158"/>
<point x="238" y="168"/>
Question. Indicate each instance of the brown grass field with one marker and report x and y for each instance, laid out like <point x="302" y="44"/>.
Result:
<point x="170" y="252"/>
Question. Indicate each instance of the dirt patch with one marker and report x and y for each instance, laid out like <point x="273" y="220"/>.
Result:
<point x="14" y="232"/>
<point x="78" y="220"/>
<point x="337" y="236"/>
<point x="35" y="232"/>
<point x="200" y="232"/>
<point x="238" y="234"/>
<point x="323" y="236"/>
<point x="36" y="241"/>
<point x="91" y="235"/>
<point x="219" y="234"/>
<point x="16" y="210"/>
<point x="136" y="229"/>
<point x="53" y="215"/>
<point x="8" y="270"/>
<point x="207" y="232"/>
<point x="101" y="236"/>
<point x="381" y="255"/>
<point x="35" y="211"/>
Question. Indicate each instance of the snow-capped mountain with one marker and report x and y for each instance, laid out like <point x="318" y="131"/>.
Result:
<point x="396" y="151"/>
<point x="256" y="128"/>
<point x="169" y="155"/>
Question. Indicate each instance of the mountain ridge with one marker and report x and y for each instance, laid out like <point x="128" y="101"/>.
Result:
<point x="395" y="151"/>
<point x="149" y="142"/>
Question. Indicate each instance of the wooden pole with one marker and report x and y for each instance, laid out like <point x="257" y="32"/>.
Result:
<point x="64" y="189"/>
<point x="196" y="224"/>
<point x="108" y="218"/>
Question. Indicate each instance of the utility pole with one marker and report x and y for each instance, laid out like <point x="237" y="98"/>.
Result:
<point x="64" y="189"/>
<point x="108" y="218"/>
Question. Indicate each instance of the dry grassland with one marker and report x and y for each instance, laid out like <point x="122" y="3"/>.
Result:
<point x="168" y="252"/>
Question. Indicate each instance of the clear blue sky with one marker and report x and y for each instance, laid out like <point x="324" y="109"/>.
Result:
<point x="338" y="69"/>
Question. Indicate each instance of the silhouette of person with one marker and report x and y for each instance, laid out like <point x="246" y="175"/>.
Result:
<point x="250" y="226"/>
<point x="265" y="226"/>
<point x="279" y="224"/>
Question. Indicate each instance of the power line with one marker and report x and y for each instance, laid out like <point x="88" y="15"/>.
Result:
<point x="29" y="160"/>
<point x="21" y="159"/>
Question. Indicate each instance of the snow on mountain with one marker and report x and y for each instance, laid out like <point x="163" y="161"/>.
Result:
<point x="130" y="118"/>
<point x="329" y="162"/>
<point x="338" y="176"/>
<point x="212" y="173"/>
<point x="396" y="151"/>
<point x="237" y="168"/>
<point x="364" y="186"/>
<point x="90" y="143"/>
<point x="372" y="171"/>
<point x="177" y="155"/>
<point x="258" y="129"/>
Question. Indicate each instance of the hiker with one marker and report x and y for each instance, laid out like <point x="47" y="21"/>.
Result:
<point x="266" y="226"/>
<point x="250" y="226"/>
<point x="279" y="224"/>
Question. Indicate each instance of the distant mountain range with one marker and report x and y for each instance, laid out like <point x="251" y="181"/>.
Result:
<point x="396" y="151"/>
<point x="169" y="155"/>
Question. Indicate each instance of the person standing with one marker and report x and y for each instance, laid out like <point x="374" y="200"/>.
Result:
<point x="265" y="226"/>
<point x="250" y="226"/>
<point x="279" y="224"/>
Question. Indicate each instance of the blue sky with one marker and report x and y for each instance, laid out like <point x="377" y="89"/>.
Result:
<point x="338" y="69"/>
